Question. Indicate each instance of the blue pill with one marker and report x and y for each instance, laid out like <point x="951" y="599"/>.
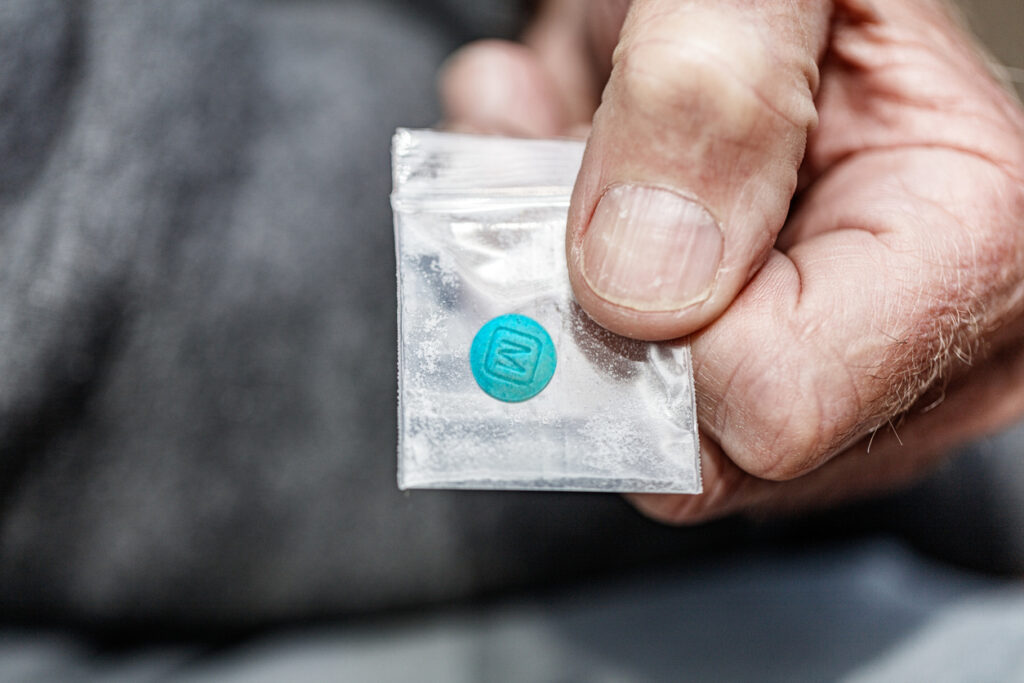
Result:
<point x="512" y="358"/>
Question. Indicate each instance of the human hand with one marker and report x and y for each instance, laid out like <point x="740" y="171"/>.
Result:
<point x="828" y="197"/>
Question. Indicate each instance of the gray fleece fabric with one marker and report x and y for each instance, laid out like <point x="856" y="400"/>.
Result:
<point x="197" y="323"/>
<point x="197" y="384"/>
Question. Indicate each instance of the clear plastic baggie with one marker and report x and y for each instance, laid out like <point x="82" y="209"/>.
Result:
<point x="480" y="235"/>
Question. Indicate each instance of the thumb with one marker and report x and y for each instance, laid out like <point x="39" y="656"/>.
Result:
<point x="692" y="160"/>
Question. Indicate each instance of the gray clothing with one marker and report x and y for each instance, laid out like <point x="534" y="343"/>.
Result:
<point x="862" y="613"/>
<point x="197" y="413"/>
<point x="197" y="387"/>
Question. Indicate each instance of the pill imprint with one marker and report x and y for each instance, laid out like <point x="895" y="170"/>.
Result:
<point x="512" y="358"/>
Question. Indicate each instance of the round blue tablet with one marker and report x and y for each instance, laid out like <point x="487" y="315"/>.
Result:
<point x="512" y="358"/>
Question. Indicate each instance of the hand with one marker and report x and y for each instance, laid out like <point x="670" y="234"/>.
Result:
<point x="828" y="197"/>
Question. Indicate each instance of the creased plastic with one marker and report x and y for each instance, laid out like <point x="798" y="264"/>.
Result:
<point x="480" y="232"/>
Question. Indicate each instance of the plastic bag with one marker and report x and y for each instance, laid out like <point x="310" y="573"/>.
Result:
<point x="486" y="316"/>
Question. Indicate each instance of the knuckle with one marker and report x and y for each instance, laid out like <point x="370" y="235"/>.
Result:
<point x="782" y="446"/>
<point x="790" y="427"/>
<point x="661" y="78"/>
<point x="712" y="70"/>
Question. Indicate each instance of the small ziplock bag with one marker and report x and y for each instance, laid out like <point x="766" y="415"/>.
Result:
<point x="504" y="381"/>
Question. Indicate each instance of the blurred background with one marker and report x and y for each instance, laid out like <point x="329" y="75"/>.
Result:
<point x="1000" y="26"/>
<point x="197" y="403"/>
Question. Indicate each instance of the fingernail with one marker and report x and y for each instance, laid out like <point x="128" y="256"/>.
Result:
<point x="651" y="249"/>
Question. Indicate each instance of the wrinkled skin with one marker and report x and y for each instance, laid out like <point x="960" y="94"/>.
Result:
<point x="865" y="171"/>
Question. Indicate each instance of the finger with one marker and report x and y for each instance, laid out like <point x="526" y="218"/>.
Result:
<point x="902" y="258"/>
<point x="499" y="87"/>
<point x="902" y="268"/>
<point x="574" y="39"/>
<point x="692" y="159"/>
<point x="727" y="490"/>
<point x="981" y="403"/>
<point x="855" y="324"/>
